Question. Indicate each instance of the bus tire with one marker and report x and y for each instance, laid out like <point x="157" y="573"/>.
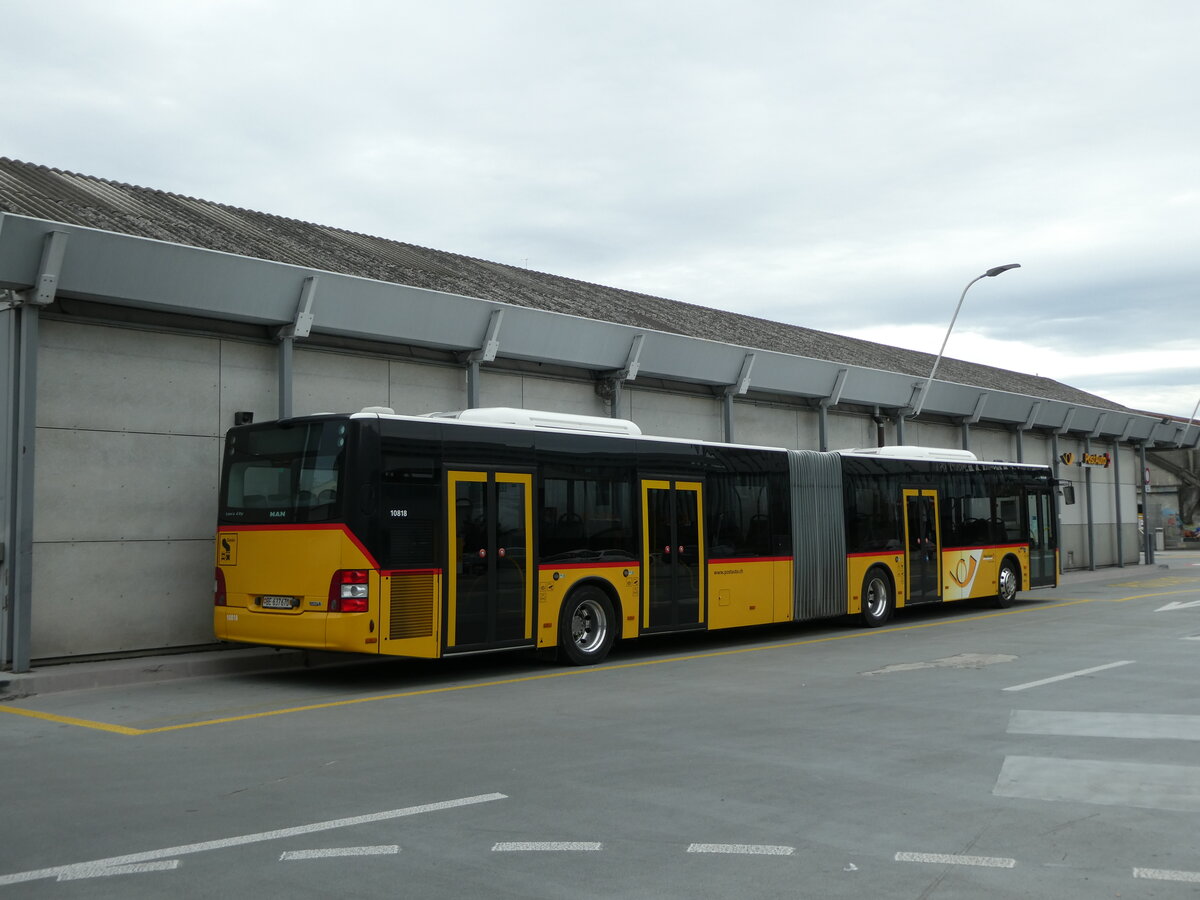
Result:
<point x="587" y="627"/>
<point x="878" y="599"/>
<point x="1007" y="584"/>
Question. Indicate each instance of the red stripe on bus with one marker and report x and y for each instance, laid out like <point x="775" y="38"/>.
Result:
<point x="985" y="547"/>
<point x="587" y="565"/>
<point x="901" y="550"/>
<point x="725" y="560"/>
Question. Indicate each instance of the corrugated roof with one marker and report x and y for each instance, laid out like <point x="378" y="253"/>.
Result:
<point x="46" y="193"/>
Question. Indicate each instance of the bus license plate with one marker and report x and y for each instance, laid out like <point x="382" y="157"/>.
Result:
<point x="277" y="602"/>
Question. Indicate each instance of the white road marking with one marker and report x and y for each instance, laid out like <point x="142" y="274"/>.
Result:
<point x="1166" y="875"/>
<point x="745" y="849"/>
<point x="75" y="873"/>
<point x="1140" y="726"/>
<point x="1033" y="684"/>
<point x="544" y="846"/>
<point x="962" y="661"/>
<point x="1175" y="604"/>
<point x="328" y="852"/>
<point x="240" y="840"/>
<point x="955" y="859"/>
<point x="1101" y="782"/>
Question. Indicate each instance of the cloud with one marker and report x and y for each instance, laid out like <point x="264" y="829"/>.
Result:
<point x="841" y="167"/>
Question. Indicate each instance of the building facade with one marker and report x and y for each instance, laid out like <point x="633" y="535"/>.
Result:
<point x="128" y="356"/>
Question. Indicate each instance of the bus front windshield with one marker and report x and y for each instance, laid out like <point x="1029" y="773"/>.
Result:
<point x="284" y="473"/>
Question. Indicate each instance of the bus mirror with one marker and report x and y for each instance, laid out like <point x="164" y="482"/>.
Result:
<point x="1068" y="493"/>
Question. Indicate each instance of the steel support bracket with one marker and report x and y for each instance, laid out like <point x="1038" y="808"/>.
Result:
<point x="1034" y="409"/>
<point x="742" y="385"/>
<point x="44" y="290"/>
<point x="835" y="393"/>
<point x="491" y="340"/>
<point x="1066" y="425"/>
<point x="301" y="327"/>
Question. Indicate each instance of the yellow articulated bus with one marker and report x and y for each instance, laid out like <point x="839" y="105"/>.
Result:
<point x="499" y="529"/>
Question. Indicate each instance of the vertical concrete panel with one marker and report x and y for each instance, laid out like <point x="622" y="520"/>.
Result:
<point x="337" y="382"/>
<point x="499" y="389"/>
<point x="118" y="486"/>
<point x="419" y="388"/>
<point x="677" y="415"/>
<point x="993" y="444"/>
<point x="574" y="397"/>
<point x="119" y="379"/>
<point x="110" y="597"/>
<point x="765" y="425"/>
<point x="1039" y="450"/>
<point x="928" y="434"/>
<point x="848" y="432"/>
<point x="808" y="429"/>
<point x="249" y="381"/>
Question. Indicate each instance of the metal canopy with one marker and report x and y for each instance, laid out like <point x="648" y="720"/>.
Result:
<point x="137" y="272"/>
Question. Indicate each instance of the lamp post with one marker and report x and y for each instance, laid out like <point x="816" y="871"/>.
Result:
<point x="1190" y="423"/>
<point x="990" y="273"/>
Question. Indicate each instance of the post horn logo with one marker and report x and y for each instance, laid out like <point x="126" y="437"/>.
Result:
<point x="964" y="573"/>
<point x="1068" y="459"/>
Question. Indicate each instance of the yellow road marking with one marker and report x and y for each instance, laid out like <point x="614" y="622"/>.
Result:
<point x="70" y="720"/>
<point x="333" y="704"/>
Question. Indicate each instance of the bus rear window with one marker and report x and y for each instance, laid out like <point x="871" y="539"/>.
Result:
<point x="284" y="473"/>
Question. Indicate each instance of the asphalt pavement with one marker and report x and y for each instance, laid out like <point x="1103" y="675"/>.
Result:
<point x="48" y="678"/>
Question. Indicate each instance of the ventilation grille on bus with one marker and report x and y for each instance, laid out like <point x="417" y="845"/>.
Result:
<point x="413" y="597"/>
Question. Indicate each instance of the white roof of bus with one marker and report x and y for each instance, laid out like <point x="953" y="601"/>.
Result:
<point x="542" y="420"/>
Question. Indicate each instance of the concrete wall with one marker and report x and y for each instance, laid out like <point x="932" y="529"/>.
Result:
<point x="128" y="455"/>
<point x="1114" y="499"/>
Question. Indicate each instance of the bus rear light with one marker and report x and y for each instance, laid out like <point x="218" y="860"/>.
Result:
<point x="349" y="591"/>
<point x="219" y="598"/>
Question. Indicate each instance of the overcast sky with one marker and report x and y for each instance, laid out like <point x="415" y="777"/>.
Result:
<point x="847" y="166"/>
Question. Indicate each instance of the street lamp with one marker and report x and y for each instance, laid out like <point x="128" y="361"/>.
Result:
<point x="1190" y="423"/>
<point x="990" y="273"/>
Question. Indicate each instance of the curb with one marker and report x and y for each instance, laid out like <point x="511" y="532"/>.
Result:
<point x="147" y="669"/>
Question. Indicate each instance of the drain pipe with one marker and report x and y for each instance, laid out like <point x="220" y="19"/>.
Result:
<point x="880" y="430"/>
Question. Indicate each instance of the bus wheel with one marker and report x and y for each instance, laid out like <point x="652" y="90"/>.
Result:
<point x="1009" y="583"/>
<point x="877" y="601"/>
<point x="586" y="628"/>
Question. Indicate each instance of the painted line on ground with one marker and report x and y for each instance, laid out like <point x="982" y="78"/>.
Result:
<point x="570" y="673"/>
<point x="1033" y="684"/>
<point x="1175" y="604"/>
<point x="1136" y="726"/>
<point x="77" y="873"/>
<point x="330" y="852"/>
<point x="547" y="847"/>
<point x="1167" y="875"/>
<point x="955" y="859"/>
<point x="71" y="720"/>
<point x="243" y="839"/>
<point x="1100" y="782"/>
<point x="742" y="849"/>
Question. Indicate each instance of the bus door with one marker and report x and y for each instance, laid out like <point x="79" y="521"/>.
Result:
<point x="1039" y="511"/>
<point x="673" y="550"/>
<point x="923" y="543"/>
<point x="490" y="583"/>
